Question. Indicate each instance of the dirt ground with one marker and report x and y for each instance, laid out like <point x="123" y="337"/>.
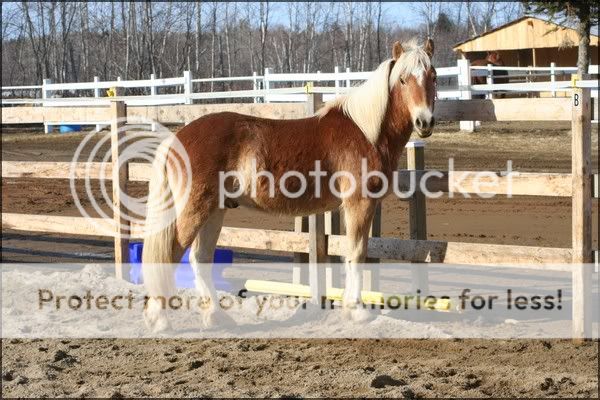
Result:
<point x="300" y="368"/>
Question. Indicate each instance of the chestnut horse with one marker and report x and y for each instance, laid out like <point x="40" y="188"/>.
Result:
<point x="373" y="122"/>
<point x="493" y="58"/>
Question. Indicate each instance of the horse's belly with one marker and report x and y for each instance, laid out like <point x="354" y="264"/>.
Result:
<point x="281" y="204"/>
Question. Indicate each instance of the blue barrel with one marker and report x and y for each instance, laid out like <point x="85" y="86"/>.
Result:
<point x="69" y="128"/>
<point x="184" y="275"/>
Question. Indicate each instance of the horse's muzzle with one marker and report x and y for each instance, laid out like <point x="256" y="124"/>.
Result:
<point x="423" y="125"/>
<point x="424" y="133"/>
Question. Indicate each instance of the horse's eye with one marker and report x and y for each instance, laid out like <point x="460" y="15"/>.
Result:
<point x="402" y="81"/>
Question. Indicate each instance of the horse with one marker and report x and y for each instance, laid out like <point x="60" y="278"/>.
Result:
<point x="499" y="76"/>
<point x="372" y="122"/>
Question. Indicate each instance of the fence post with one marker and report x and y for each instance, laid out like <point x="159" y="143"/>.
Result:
<point x="153" y="92"/>
<point x="371" y="272"/>
<point x="333" y="224"/>
<point x="97" y="95"/>
<point x="120" y="175"/>
<point x="415" y="154"/>
<point x="118" y="89"/>
<point x="489" y="80"/>
<point x="299" y="270"/>
<point x="266" y="84"/>
<point x="187" y="86"/>
<point x="348" y="77"/>
<point x="336" y="71"/>
<point x="317" y="256"/>
<point x="46" y="95"/>
<point x="254" y="85"/>
<point x="553" y="77"/>
<point x="464" y="86"/>
<point x="581" y="143"/>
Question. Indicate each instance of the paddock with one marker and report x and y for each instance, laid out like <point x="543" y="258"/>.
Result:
<point x="317" y="238"/>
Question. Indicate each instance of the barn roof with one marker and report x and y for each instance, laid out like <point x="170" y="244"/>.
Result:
<point x="511" y="36"/>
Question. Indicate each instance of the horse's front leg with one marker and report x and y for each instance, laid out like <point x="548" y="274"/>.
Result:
<point x="358" y="214"/>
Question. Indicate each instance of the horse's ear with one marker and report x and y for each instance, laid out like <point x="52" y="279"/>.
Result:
<point x="397" y="50"/>
<point x="429" y="47"/>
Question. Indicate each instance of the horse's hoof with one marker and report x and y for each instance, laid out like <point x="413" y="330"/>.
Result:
<point x="360" y="314"/>
<point x="157" y="322"/>
<point x="156" y="318"/>
<point x="217" y="319"/>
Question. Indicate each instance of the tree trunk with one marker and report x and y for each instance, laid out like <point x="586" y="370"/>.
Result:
<point x="583" y="57"/>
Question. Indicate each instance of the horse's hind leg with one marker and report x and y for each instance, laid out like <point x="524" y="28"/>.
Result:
<point x="358" y="216"/>
<point x="201" y="259"/>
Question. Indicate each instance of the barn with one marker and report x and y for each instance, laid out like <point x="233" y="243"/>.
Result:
<point x="529" y="41"/>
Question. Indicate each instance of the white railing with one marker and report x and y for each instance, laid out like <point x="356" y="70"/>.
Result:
<point x="264" y="88"/>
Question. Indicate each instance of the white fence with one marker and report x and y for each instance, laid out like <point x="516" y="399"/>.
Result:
<point x="265" y="88"/>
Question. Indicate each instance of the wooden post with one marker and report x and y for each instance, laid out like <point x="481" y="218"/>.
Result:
<point x="120" y="175"/>
<point x="581" y="144"/>
<point x="317" y="256"/>
<point x="371" y="272"/>
<point x="415" y="154"/>
<point x="553" y="76"/>
<point x="300" y="270"/>
<point x="332" y="272"/>
<point x="464" y="85"/>
<point x="336" y="71"/>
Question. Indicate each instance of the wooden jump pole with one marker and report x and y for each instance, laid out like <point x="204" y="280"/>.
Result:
<point x="581" y="144"/>
<point x="120" y="175"/>
<point x="415" y="155"/>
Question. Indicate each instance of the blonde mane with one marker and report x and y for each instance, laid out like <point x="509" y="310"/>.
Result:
<point x="366" y="104"/>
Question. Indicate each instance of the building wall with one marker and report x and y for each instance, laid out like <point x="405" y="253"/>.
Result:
<point x="524" y="34"/>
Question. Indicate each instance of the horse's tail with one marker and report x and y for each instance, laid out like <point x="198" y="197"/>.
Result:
<point x="160" y="235"/>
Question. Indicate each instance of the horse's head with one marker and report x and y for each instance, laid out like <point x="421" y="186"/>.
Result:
<point x="493" y="57"/>
<point x="413" y="79"/>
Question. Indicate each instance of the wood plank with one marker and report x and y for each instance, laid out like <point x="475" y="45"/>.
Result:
<point x="55" y="170"/>
<point x="539" y="109"/>
<point x="473" y="182"/>
<point x="460" y="253"/>
<point x="32" y="115"/>
<point x="581" y="143"/>
<point x="183" y="113"/>
<point x="523" y="184"/>
<point x="388" y="248"/>
<point x="56" y="224"/>
<point x="264" y="239"/>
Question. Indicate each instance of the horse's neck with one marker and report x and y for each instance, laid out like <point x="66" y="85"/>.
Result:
<point x="396" y="129"/>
